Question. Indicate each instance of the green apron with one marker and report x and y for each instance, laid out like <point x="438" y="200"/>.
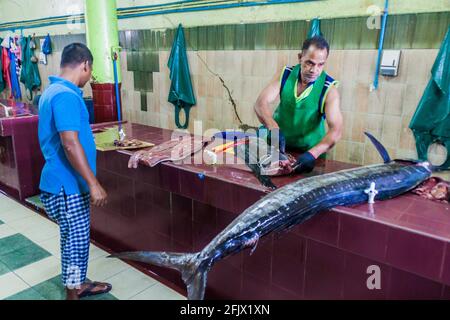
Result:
<point x="299" y="117"/>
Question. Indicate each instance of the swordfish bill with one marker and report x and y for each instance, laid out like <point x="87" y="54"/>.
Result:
<point x="286" y="207"/>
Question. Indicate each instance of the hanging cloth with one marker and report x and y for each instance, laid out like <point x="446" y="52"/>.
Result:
<point x="46" y="49"/>
<point x="47" y="45"/>
<point x="314" y="29"/>
<point x="431" y="121"/>
<point x="30" y="73"/>
<point x="2" y="82"/>
<point x="15" y="86"/>
<point x="181" y="94"/>
<point x="6" y="68"/>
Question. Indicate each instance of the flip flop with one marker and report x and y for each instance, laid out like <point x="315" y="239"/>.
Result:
<point x="89" y="291"/>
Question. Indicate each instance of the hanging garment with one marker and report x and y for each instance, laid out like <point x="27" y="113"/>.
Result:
<point x="46" y="50"/>
<point x="17" y="50"/>
<point x="2" y="82"/>
<point x="431" y="121"/>
<point x="29" y="75"/>
<point x="15" y="85"/>
<point x="314" y="29"/>
<point x="6" y="68"/>
<point x="6" y="42"/>
<point x="181" y="93"/>
<point x="47" y="45"/>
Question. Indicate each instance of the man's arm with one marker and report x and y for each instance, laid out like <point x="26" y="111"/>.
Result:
<point x="77" y="158"/>
<point x="265" y="98"/>
<point x="334" y="121"/>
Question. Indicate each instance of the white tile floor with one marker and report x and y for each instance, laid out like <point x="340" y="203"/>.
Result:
<point x="128" y="282"/>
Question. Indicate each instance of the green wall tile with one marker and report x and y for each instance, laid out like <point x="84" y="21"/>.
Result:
<point x="369" y="38"/>
<point x="156" y="36"/>
<point x="147" y="40"/>
<point x="220" y="42"/>
<point x="130" y="61"/>
<point x="122" y="40"/>
<point x="250" y="37"/>
<point x="346" y="34"/>
<point x="399" y="31"/>
<point x="285" y="35"/>
<point x="229" y="33"/>
<point x="403" y="31"/>
<point x="430" y="30"/>
<point x="327" y="28"/>
<point x="137" y="80"/>
<point x="271" y="36"/>
<point x="154" y="57"/>
<point x="192" y="38"/>
<point x="202" y="38"/>
<point x="169" y="36"/>
<point x="134" y="38"/>
<point x="141" y="40"/>
<point x="141" y="61"/>
<point x="260" y="36"/>
<point x="211" y="38"/>
<point x="143" y="101"/>
<point x="128" y="40"/>
<point x="239" y="38"/>
<point x="297" y="34"/>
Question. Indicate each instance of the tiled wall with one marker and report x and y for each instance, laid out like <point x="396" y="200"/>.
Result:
<point x="385" y="112"/>
<point x="247" y="56"/>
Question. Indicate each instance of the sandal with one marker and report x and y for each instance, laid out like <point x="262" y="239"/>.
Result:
<point x="89" y="290"/>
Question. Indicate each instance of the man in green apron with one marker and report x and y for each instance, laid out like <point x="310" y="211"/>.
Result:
<point x="308" y="97"/>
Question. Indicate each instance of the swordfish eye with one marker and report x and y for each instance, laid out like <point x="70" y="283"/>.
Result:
<point x="426" y="165"/>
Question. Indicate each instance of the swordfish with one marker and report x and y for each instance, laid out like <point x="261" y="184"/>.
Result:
<point x="287" y="207"/>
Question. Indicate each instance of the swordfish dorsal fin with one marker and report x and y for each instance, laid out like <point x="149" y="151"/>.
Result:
<point x="381" y="149"/>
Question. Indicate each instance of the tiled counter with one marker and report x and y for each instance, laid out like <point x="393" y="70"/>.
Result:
<point x="172" y="208"/>
<point x="21" y="160"/>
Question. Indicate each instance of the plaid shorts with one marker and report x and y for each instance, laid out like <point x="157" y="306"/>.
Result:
<point x="72" y="213"/>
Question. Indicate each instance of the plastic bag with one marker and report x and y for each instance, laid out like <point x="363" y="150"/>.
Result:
<point x="47" y="45"/>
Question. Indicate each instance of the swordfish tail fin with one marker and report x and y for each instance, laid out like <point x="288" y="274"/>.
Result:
<point x="189" y="265"/>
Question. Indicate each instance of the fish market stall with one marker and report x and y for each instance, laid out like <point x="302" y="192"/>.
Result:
<point x="396" y="248"/>
<point x="21" y="161"/>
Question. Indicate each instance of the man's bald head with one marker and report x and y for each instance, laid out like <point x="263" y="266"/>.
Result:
<point x="317" y="42"/>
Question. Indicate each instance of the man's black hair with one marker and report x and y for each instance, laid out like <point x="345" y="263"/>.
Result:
<point x="75" y="54"/>
<point x="318" y="42"/>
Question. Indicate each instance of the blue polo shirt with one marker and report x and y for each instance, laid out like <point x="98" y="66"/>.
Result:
<point x="62" y="108"/>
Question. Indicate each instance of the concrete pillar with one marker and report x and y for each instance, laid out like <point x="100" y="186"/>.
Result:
<point x="102" y="36"/>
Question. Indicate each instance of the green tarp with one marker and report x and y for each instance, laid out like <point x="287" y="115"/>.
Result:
<point x="181" y="94"/>
<point x="431" y="121"/>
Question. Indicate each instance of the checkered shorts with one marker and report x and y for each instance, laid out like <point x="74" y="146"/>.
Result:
<point x="72" y="213"/>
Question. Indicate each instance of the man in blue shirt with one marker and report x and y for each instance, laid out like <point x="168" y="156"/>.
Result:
<point x="68" y="181"/>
